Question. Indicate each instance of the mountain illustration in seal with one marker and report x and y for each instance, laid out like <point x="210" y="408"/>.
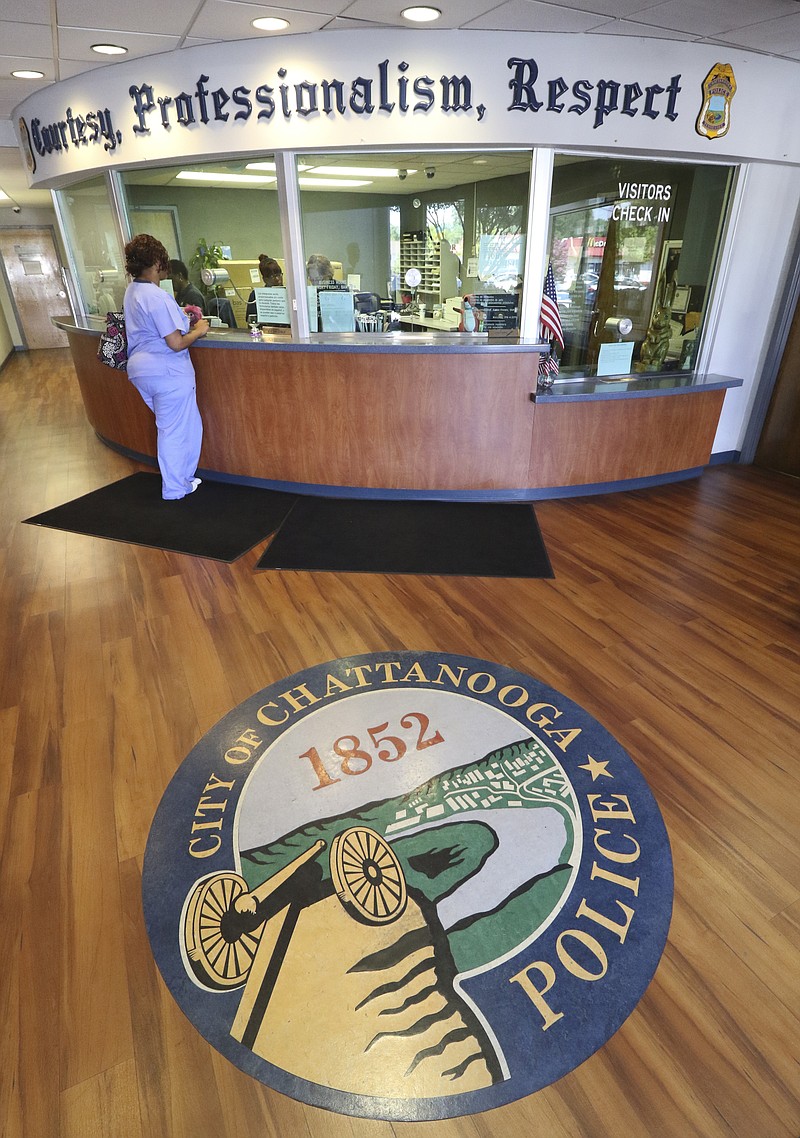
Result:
<point x="490" y="845"/>
<point x="349" y="934"/>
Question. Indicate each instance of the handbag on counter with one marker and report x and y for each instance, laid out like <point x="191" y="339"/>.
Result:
<point x="113" y="347"/>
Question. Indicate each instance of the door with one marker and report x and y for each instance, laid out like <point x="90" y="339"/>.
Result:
<point x="33" y="271"/>
<point x="779" y="445"/>
<point x="160" y="222"/>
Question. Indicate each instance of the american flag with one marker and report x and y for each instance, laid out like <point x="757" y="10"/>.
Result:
<point x="550" y="323"/>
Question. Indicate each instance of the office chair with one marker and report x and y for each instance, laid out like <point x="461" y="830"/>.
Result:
<point x="220" y="306"/>
<point x="367" y="302"/>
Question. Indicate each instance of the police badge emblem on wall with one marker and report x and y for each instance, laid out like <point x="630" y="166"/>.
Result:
<point x="408" y="885"/>
<point x="719" y="87"/>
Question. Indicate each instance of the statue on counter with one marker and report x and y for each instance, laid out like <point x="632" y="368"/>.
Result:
<point x="656" y="342"/>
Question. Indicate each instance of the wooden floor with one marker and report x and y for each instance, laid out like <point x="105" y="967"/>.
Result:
<point x="672" y="618"/>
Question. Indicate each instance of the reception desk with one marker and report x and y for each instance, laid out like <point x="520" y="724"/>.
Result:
<point x="430" y="416"/>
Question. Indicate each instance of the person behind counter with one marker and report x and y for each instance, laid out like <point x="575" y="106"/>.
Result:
<point x="159" y="366"/>
<point x="271" y="275"/>
<point x="185" y="291"/>
<point x="320" y="273"/>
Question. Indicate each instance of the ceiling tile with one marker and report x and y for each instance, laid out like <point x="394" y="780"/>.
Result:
<point x="70" y="67"/>
<point x="36" y="11"/>
<point x="322" y="7"/>
<point x="632" y="28"/>
<point x="226" y="20"/>
<point x="122" y="15"/>
<point x="712" y="17"/>
<point x="9" y="63"/>
<point x="76" y="43"/>
<point x="26" y="39"/>
<point x="350" y="23"/>
<point x="529" y="16"/>
<point x="455" y="13"/>
<point x="617" y="8"/>
<point x="781" y="37"/>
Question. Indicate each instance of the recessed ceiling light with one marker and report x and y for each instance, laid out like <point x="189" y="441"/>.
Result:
<point x="270" y="24"/>
<point x="340" y="174"/>
<point x="212" y="176"/>
<point x="351" y="171"/>
<point x="421" y="14"/>
<point x="310" y="183"/>
<point x="356" y="171"/>
<point x="109" y="49"/>
<point x="28" y="74"/>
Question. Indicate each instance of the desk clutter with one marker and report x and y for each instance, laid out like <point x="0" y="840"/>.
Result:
<point x="340" y="306"/>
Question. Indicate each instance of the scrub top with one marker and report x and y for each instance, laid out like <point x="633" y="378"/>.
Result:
<point x="151" y="314"/>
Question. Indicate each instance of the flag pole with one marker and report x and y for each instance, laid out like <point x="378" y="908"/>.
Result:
<point x="550" y="330"/>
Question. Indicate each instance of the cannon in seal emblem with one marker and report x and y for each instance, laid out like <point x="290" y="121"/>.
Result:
<point x="349" y="986"/>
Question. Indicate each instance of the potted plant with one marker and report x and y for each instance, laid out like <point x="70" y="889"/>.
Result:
<point x="206" y="256"/>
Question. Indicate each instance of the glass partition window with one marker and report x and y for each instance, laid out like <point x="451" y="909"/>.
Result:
<point x="633" y="246"/>
<point x="403" y="238"/>
<point x="96" y="259"/>
<point x="427" y="240"/>
<point x="222" y="222"/>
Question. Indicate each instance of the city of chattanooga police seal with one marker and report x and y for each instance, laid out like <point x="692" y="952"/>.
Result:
<point x="407" y="885"/>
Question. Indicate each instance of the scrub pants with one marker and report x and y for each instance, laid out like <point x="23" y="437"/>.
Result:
<point x="180" y="429"/>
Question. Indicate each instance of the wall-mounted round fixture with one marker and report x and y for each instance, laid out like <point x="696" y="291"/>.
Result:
<point x="430" y="171"/>
<point x="619" y="325"/>
<point x="213" y="277"/>
<point x="416" y="203"/>
<point x="109" y="49"/>
<point x="421" y="14"/>
<point x="402" y="175"/>
<point x="270" y="24"/>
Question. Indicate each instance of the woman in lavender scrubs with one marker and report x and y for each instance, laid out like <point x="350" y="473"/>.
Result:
<point x="159" y="367"/>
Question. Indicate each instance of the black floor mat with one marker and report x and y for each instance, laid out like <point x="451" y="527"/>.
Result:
<point x="220" y="520"/>
<point x="450" y="538"/>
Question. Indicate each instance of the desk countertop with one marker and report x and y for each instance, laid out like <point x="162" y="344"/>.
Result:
<point x="639" y="385"/>
<point x="433" y="341"/>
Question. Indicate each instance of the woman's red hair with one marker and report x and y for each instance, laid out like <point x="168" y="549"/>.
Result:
<point x="144" y="251"/>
